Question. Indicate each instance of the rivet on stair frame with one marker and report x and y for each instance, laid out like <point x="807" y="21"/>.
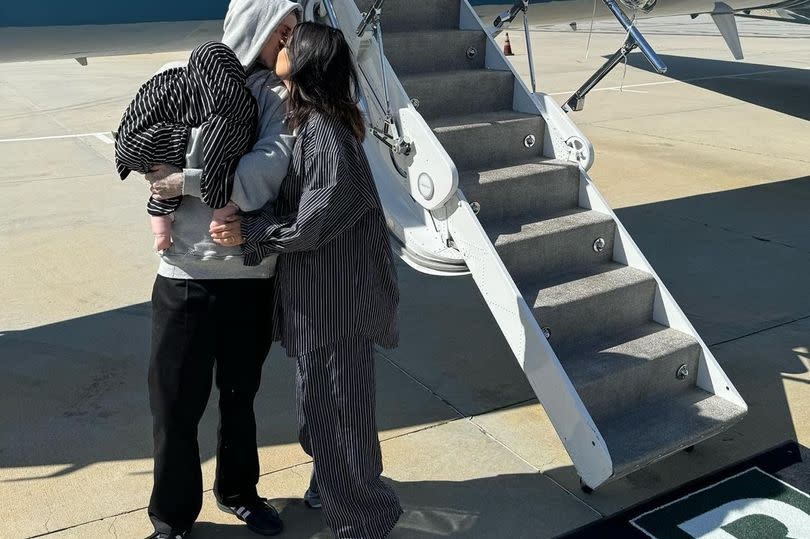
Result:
<point x="472" y="52"/>
<point x="599" y="245"/>
<point x="683" y="372"/>
<point x="415" y="103"/>
<point x="547" y="333"/>
<point x="529" y="141"/>
<point x="476" y="207"/>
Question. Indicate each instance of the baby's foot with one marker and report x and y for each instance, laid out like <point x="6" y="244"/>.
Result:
<point x="162" y="242"/>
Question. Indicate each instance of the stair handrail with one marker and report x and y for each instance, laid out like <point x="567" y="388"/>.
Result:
<point x="428" y="174"/>
<point x="505" y="18"/>
<point x="388" y="134"/>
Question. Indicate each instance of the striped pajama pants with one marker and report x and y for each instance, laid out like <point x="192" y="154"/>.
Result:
<point x="337" y="428"/>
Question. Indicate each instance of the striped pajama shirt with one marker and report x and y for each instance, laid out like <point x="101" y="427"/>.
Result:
<point x="209" y="94"/>
<point x="336" y="296"/>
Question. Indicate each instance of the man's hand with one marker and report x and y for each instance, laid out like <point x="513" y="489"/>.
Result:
<point x="166" y="181"/>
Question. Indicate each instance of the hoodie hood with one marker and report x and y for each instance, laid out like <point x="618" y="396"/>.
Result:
<point x="249" y="23"/>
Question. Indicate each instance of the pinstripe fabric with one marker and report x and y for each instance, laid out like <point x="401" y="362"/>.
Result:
<point x="335" y="276"/>
<point x="336" y="416"/>
<point x="209" y="93"/>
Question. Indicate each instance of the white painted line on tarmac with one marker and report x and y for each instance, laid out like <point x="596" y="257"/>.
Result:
<point x="99" y="136"/>
<point x="687" y="81"/>
<point x="626" y="89"/>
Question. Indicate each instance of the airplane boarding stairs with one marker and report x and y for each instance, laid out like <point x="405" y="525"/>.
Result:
<point x="622" y="374"/>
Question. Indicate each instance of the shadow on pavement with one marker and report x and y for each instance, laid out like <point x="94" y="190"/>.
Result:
<point x="74" y="392"/>
<point x="782" y="89"/>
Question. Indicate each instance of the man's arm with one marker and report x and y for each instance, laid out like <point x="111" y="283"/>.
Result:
<point x="168" y="181"/>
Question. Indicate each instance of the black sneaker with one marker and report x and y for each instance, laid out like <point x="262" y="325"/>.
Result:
<point x="168" y="535"/>
<point x="260" y="516"/>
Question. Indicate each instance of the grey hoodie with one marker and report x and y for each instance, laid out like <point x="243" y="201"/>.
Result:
<point x="193" y="255"/>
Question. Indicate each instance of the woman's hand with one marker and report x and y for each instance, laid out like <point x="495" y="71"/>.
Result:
<point x="166" y="181"/>
<point x="229" y="234"/>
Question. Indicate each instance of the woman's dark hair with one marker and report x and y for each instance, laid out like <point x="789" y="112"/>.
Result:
<point x="323" y="77"/>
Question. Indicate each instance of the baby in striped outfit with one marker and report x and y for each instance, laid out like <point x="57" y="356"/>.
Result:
<point x="208" y="94"/>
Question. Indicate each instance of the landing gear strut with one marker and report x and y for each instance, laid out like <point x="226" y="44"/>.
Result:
<point x="634" y="40"/>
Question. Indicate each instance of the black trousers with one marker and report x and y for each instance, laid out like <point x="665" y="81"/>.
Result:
<point x="197" y="326"/>
<point x="335" y="391"/>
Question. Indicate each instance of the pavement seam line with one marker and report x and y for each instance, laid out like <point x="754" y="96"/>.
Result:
<point x="775" y="326"/>
<point x="749" y="235"/>
<point x="101" y="519"/>
<point x="530" y="465"/>
<point x="423" y="385"/>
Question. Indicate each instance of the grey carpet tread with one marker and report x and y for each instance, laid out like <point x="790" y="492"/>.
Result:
<point x="529" y="190"/>
<point x="402" y="15"/>
<point x="460" y="91"/>
<point x="592" y="361"/>
<point x="477" y="140"/>
<point x="481" y="119"/>
<point x="657" y="428"/>
<point x="531" y="167"/>
<point x="504" y="232"/>
<point x="449" y="50"/>
<point x="472" y="75"/>
<point x="429" y="32"/>
<point x="594" y="281"/>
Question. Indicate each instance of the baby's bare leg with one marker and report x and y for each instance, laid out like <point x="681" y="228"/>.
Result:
<point x="162" y="231"/>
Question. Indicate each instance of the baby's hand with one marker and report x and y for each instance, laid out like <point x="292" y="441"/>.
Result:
<point x="221" y="215"/>
<point x="162" y="242"/>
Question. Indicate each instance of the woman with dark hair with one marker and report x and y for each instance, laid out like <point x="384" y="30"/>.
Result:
<point x="336" y="286"/>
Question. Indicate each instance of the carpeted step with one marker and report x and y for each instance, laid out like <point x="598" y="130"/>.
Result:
<point x="403" y="15"/>
<point x="607" y="299"/>
<point x="537" y="189"/>
<point x="438" y="50"/>
<point x="456" y="93"/>
<point x="488" y="140"/>
<point x="620" y="372"/>
<point x="561" y="244"/>
<point x="659" y="427"/>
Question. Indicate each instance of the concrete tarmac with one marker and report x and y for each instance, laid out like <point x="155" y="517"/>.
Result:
<point x="708" y="167"/>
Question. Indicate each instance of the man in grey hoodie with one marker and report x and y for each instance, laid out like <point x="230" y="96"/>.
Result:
<point x="201" y="286"/>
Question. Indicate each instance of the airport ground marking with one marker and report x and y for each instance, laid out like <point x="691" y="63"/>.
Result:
<point x="764" y="502"/>
<point x="102" y="136"/>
